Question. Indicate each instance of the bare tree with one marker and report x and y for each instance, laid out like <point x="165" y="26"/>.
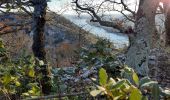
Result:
<point x="38" y="46"/>
<point x="137" y="55"/>
<point x="144" y="30"/>
<point x="97" y="12"/>
<point x="166" y="7"/>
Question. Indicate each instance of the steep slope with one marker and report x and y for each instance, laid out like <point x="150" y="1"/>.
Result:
<point x="63" y="38"/>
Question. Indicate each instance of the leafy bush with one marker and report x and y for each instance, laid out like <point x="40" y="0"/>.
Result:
<point x="19" y="77"/>
<point x="123" y="89"/>
<point x="101" y="54"/>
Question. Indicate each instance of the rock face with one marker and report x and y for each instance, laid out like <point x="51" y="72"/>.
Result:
<point x="159" y="66"/>
<point x="62" y="38"/>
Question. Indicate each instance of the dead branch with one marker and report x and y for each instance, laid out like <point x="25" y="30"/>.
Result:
<point x="97" y="18"/>
<point x="56" y="96"/>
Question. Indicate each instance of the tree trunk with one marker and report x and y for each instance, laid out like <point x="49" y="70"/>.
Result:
<point x="166" y="4"/>
<point x="38" y="46"/>
<point x="139" y="50"/>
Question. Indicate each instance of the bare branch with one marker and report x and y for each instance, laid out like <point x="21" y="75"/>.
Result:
<point x="57" y="96"/>
<point x="11" y="27"/>
<point x="97" y="18"/>
<point x="10" y="31"/>
<point x="126" y="7"/>
<point x="126" y="16"/>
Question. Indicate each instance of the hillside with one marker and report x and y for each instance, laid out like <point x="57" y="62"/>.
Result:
<point x="63" y="38"/>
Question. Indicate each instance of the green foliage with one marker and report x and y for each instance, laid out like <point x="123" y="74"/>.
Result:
<point x="146" y="85"/>
<point x="100" y="55"/>
<point x="116" y="89"/>
<point x="19" y="77"/>
<point x="103" y="76"/>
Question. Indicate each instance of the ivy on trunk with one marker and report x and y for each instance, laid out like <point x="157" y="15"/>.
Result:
<point x="38" y="46"/>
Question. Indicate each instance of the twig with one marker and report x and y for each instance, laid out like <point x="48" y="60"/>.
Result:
<point x="56" y="96"/>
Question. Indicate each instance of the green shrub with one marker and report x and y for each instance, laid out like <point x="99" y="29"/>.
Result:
<point x="123" y="89"/>
<point x="19" y="77"/>
<point x="101" y="55"/>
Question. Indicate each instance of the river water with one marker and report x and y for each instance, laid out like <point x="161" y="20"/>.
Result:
<point x="64" y="8"/>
